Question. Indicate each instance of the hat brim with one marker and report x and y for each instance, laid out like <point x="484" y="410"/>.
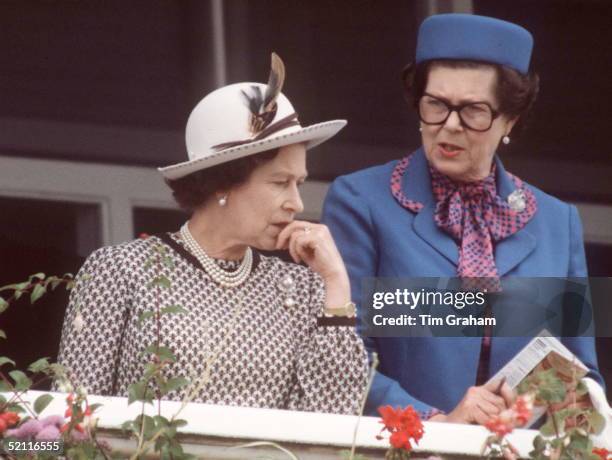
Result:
<point x="311" y="136"/>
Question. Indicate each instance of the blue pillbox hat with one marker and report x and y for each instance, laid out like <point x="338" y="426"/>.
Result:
<point x="477" y="38"/>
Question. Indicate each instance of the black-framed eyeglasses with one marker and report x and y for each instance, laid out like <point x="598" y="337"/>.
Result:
<point x="477" y="116"/>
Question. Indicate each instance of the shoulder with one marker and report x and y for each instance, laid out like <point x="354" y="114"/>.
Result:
<point x="379" y="174"/>
<point x="120" y="258"/>
<point x="552" y="208"/>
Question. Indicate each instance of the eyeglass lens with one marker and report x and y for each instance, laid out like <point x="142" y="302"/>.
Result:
<point x="477" y="115"/>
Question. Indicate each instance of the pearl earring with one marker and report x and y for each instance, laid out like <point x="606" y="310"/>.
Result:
<point x="223" y="200"/>
<point x="506" y="139"/>
<point x="420" y="129"/>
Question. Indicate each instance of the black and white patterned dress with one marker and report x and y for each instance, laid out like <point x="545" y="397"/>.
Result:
<point x="269" y="355"/>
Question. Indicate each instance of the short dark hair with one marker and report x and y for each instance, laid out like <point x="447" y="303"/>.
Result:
<point x="193" y="190"/>
<point x="514" y="91"/>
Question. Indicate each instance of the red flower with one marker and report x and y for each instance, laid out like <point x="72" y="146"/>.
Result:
<point x="518" y="415"/>
<point x="400" y="440"/>
<point x="604" y="454"/>
<point x="144" y="236"/>
<point x="499" y="427"/>
<point x="390" y="418"/>
<point x="523" y="409"/>
<point x="10" y="418"/>
<point x="3" y="426"/>
<point x="403" y="425"/>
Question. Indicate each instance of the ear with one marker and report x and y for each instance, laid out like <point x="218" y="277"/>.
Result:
<point x="510" y="124"/>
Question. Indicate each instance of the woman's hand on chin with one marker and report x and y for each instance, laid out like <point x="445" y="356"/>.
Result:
<point x="313" y="244"/>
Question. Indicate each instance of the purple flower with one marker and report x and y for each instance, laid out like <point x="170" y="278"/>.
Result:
<point x="27" y="430"/>
<point x="48" y="433"/>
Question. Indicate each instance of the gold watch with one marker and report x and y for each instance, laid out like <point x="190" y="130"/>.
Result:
<point x="348" y="310"/>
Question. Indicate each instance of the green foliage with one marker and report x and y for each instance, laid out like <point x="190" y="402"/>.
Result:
<point x="21" y="381"/>
<point x="162" y="353"/>
<point x="4" y="360"/>
<point x="139" y="392"/>
<point x="173" y="309"/>
<point x="3" y="304"/>
<point x="40" y="365"/>
<point x="42" y="402"/>
<point x="160" y="281"/>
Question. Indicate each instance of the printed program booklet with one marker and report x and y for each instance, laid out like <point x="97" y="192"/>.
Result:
<point x="543" y="352"/>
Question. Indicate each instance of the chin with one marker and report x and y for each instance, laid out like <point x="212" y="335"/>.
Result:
<point x="265" y="244"/>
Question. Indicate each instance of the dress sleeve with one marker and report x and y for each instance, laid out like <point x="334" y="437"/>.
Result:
<point x="94" y="322"/>
<point x="332" y="363"/>
<point x="583" y="347"/>
<point x="348" y="217"/>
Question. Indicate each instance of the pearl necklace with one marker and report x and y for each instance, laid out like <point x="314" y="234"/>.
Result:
<point x="220" y="276"/>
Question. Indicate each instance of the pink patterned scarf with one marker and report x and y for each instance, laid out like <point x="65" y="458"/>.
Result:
<point x="475" y="216"/>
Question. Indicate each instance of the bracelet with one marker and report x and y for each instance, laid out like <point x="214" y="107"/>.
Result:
<point x="348" y="310"/>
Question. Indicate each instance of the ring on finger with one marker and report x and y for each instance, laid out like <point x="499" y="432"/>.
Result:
<point x="306" y="229"/>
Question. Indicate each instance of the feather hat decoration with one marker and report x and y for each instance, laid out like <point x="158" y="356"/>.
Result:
<point x="263" y="106"/>
<point x="244" y="119"/>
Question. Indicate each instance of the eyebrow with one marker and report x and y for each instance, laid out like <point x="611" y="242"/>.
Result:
<point x="286" y="174"/>
<point x="461" y="101"/>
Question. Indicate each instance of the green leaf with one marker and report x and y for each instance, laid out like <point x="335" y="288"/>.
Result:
<point x="163" y="353"/>
<point x="2" y="334"/>
<point x="174" y="384"/>
<point x="42" y="402"/>
<point x="22" y="382"/>
<point x="149" y="427"/>
<point x="3" y="304"/>
<point x="127" y="426"/>
<point x="160" y="281"/>
<point x="168" y="262"/>
<point x="4" y="387"/>
<point x="145" y="316"/>
<point x="173" y="309"/>
<point x="95" y="407"/>
<point x="597" y="422"/>
<point x="179" y="423"/>
<point x="138" y="392"/>
<point x="150" y="370"/>
<point x="40" y="276"/>
<point x="38" y="291"/>
<point x="39" y="365"/>
<point x="4" y="360"/>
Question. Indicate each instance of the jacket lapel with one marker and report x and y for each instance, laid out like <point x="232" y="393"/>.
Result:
<point x="513" y="250"/>
<point x="416" y="185"/>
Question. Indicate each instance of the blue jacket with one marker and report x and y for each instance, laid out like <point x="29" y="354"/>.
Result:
<point x="378" y="237"/>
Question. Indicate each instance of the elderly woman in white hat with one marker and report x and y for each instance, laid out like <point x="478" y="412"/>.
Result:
<point x="276" y="334"/>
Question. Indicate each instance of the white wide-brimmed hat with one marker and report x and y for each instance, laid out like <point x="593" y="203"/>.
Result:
<point x="242" y="119"/>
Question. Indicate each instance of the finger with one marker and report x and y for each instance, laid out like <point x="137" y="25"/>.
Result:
<point x="508" y="394"/>
<point x="491" y="398"/>
<point x="488" y="408"/>
<point x="306" y="247"/>
<point x="282" y="241"/>
<point x="292" y="246"/>
<point x="494" y="386"/>
<point x="480" y="416"/>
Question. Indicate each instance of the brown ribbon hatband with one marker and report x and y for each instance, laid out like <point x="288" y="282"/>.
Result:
<point x="286" y="122"/>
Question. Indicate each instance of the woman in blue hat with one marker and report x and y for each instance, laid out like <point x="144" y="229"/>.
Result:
<point x="451" y="209"/>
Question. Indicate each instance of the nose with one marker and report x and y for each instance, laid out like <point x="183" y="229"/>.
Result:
<point x="293" y="201"/>
<point x="453" y="122"/>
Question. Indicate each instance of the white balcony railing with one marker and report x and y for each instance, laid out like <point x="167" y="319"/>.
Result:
<point x="216" y="432"/>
